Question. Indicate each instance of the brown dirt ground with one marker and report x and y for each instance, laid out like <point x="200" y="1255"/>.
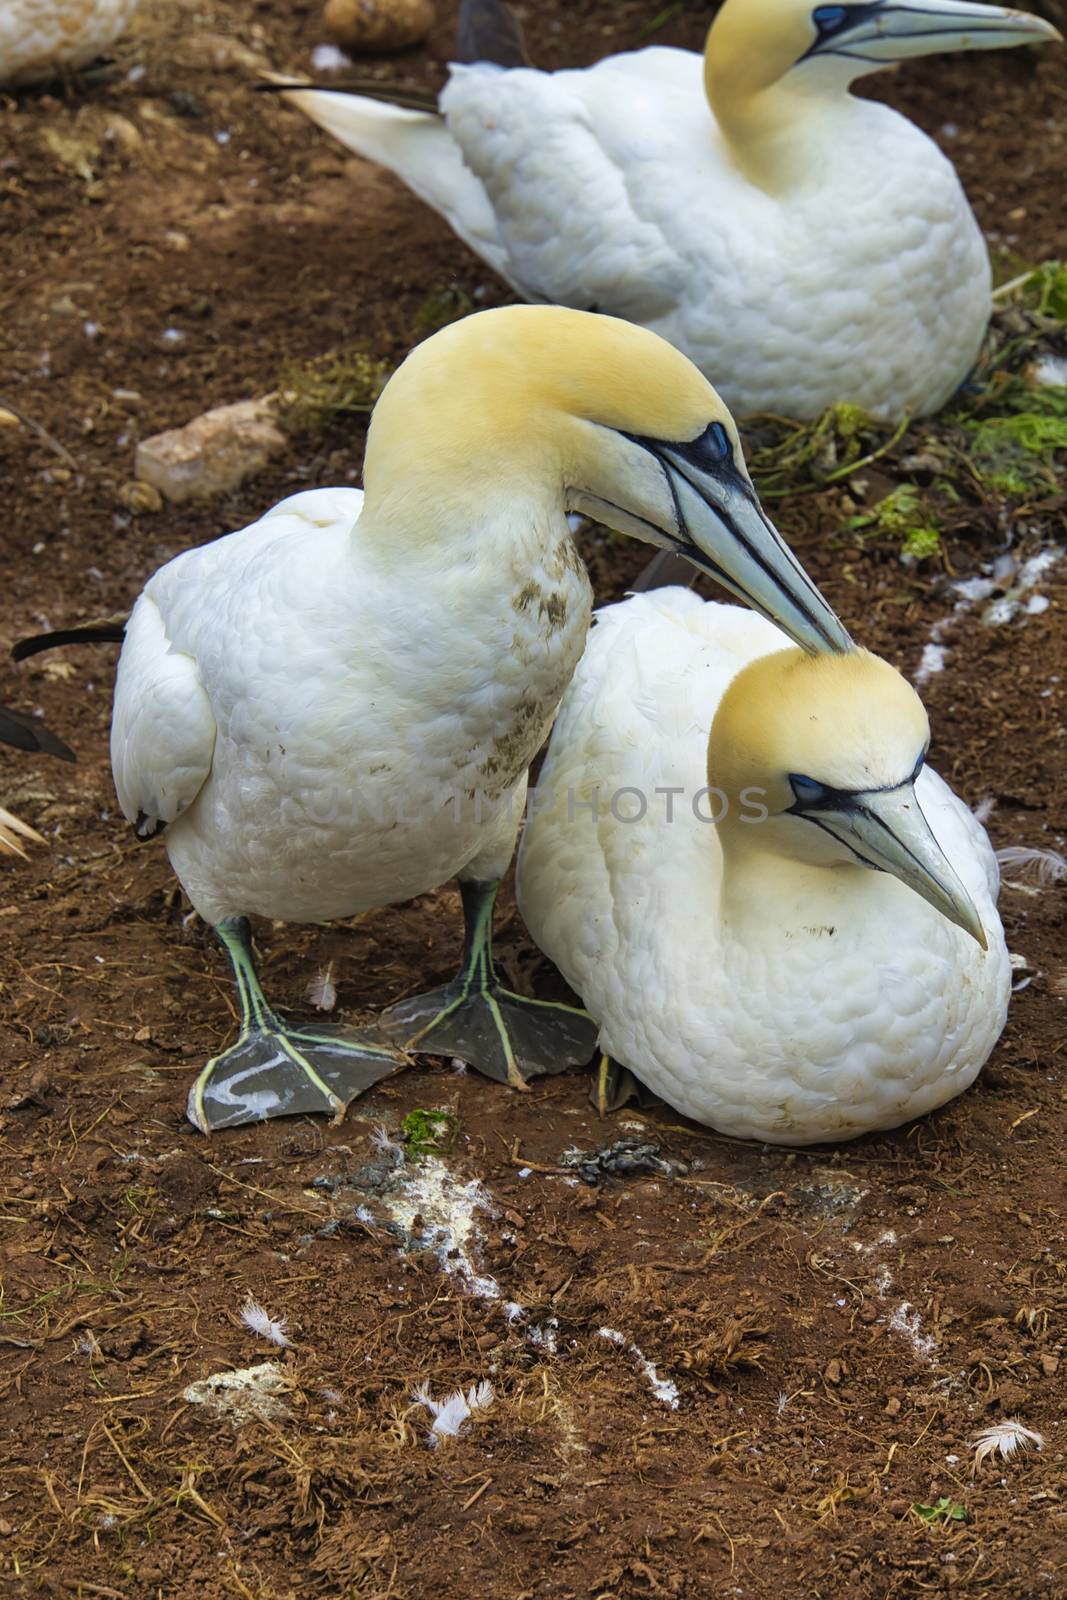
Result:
<point x="838" y="1323"/>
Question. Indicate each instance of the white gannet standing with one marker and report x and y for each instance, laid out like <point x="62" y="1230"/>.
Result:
<point x="42" y="39"/>
<point x="753" y="970"/>
<point x="801" y="245"/>
<point x="24" y="732"/>
<point x="335" y="708"/>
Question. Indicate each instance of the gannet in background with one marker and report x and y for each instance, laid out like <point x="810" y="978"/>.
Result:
<point x="335" y="708"/>
<point x="802" y="246"/>
<point x="23" y="732"/>
<point x="755" y="971"/>
<point x="42" y="39"/>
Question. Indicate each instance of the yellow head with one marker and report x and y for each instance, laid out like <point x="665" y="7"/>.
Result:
<point x="848" y="722"/>
<point x="529" y="410"/>
<point x="818" y="757"/>
<point x="754" y="44"/>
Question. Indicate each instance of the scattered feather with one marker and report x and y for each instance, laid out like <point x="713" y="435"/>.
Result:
<point x="985" y="808"/>
<point x="322" y="991"/>
<point x="450" y="1415"/>
<point x="1043" y="867"/>
<point x="386" y="1145"/>
<point x="328" y="58"/>
<point x="1004" y="1439"/>
<point x="270" y="1328"/>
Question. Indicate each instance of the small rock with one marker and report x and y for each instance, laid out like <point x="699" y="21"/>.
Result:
<point x="1049" y="1364"/>
<point x="213" y="453"/>
<point x="378" y="25"/>
<point x="140" y="497"/>
<point x="834" y="1371"/>
<point x="122" y="132"/>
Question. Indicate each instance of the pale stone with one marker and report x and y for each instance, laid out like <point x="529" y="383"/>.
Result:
<point x="378" y="24"/>
<point x="213" y="453"/>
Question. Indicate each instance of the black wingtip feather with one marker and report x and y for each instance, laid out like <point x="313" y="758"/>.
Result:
<point x="366" y="89"/>
<point x="489" y="30"/>
<point x="24" y="732"/>
<point x="111" y="632"/>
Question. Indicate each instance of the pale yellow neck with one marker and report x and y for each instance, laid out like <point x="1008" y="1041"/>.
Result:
<point x="777" y="135"/>
<point x="764" y="888"/>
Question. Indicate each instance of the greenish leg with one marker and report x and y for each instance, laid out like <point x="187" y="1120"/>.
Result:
<point x="501" y="1034"/>
<point x="275" y="1070"/>
<point x="612" y="1087"/>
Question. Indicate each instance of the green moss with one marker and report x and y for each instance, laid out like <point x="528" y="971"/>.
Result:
<point x="921" y="543"/>
<point x="814" y="452"/>
<point x="317" y="394"/>
<point x="1018" y="454"/>
<point x="428" y="1133"/>
<point x="901" y="515"/>
<point x="443" y="305"/>
<point x="1046" y="290"/>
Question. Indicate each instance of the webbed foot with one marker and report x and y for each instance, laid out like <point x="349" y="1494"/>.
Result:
<point x="275" y="1070"/>
<point x="285" y="1072"/>
<point x="501" y="1034"/>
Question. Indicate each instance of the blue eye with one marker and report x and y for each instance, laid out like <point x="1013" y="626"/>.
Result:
<point x="826" y="18"/>
<point x="806" y="791"/>
<point x="717" y="441"/>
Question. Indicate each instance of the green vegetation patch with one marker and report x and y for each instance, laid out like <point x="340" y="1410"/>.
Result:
<point x="998" y="445"/>
<point x="317" y="394"/>
<point x="942" y="1513"/>
<point x="425" y="1133"/>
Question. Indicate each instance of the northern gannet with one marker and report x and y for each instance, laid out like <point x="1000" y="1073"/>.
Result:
<point x="335" y="708"/>
<point x="24" y="732"/>
<point x="42" y="39"/>
<point x="801" y="245"/>
<point x="711" y="898"/>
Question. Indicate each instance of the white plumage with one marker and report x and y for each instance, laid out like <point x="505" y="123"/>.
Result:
<point x="772" y="997"/>
<point x="801" y="245"/>
<point x="40" y="39"/>
<point x="315" y="742"/>
<point x="336" y="707"/>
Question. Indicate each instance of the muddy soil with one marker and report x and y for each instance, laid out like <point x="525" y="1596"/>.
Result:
<point x="717" y="1368"/>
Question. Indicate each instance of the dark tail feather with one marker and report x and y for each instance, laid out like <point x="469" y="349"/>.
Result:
<point x="109" y="630"/>
<point x="664" y="570"/>
<point x="489" y="31"/>
<point x="29" y="733"/>
<point x="370" y="89"/>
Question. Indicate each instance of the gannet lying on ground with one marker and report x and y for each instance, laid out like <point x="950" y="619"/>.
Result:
<point x="755" y="971"/>
<point x="25" y="733"/>
<point x="335" y="708"/>
<point x="802" y="246"/>
<point x="42" y="39"/>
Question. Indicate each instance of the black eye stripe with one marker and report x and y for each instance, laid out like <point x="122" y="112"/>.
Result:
<point x="711" y="451"/>
<point x="810" y="795"/>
